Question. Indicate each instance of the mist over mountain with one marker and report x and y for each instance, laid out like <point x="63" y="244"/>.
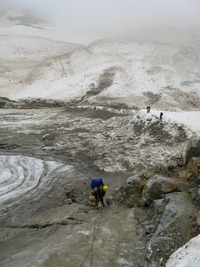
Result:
<point x="110" y="13"/>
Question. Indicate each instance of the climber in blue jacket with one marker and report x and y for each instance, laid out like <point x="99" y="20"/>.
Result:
<point x="99" y="191"/>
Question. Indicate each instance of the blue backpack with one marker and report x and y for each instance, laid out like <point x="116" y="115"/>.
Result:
<point x="96" y="182"/>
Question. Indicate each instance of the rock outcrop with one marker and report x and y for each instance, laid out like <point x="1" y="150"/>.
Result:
<point x="192" y="150"/>
<point x="176" y="227"/>
<point x="6" y="103"/>
<point x="166" y="202"/>
<point x="158" y="187"/>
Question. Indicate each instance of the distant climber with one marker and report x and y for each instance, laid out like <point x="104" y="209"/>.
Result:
<point x="161" y="114"/>
<point x="99" y="191"/>
<point x="148" y="109"/>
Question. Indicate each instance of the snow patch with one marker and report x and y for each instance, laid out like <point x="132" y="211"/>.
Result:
<point x="187" y="255"/>
<point x="22" y="175"/>
<point x="188" y="119"/>
<point x="87" y="233"/>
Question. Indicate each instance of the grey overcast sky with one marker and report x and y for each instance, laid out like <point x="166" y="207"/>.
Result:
<point x="113" y="12"/>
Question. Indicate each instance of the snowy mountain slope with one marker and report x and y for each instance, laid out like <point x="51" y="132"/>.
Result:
<point x="131" y="71"/>
<point x="40" y="61"/>
<point x="23" y="46"/>
<point x="20" y="55"/>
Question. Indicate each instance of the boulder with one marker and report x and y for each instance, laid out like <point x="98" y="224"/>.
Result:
<point x="185" y="175"/>
<point x="192" y="150"/>
<point x="132" y="190"/>
<point x="194" y="166"/>
<point x="175" y="163"/>
<point x="176" y="227"/>
<point x="133" y="181"/>
<point x="6" y="103"/>
<point x="49" y="139"/>
<point x="158" y="187"/>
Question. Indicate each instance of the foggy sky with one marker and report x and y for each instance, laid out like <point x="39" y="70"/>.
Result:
<point x="81" y="13"/>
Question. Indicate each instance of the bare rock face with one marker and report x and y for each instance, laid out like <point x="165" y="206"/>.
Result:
<point x="174" y="230"/>
<point x="192" y="150"/>
<point x="158" y="187"/>
<point x="144" y="192"/>
<point x="170" y="197"/>
<point x="6" y="103"/>
<point x="194" y="166"/>
<point x="185" y="175"/>
<point x="132" y="190"/>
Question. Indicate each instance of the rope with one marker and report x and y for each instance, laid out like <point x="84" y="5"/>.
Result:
<point x="94" y="238"/>
<point x="92" y="247"/>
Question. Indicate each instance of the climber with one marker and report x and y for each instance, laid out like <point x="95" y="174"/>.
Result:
<point x="148" y="109"/>
<point x="99" y="191"/>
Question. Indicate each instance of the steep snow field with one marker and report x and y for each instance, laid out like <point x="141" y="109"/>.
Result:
<point x="120" y="69"/>
<point x="129" y="70"/>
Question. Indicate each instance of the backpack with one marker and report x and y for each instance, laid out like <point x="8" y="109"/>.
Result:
<point x="96" y="182"/>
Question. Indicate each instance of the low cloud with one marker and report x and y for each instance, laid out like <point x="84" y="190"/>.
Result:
<point x="110" y="13"/>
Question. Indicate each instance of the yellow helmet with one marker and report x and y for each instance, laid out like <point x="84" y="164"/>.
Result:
<point x="105" y="188"/>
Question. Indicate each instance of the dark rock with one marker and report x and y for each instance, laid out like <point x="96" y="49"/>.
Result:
<point x="192" y="150"/>
<point x="49" y="139"/>
<point x="74" y="198"/>
<point x="8" y="146"/>
<point x="6" y="103"/>
<point x="149" y="228"/>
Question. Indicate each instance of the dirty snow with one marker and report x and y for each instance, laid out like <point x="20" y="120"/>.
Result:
<point x="188" y="119"/>
<point x="186" y="256"/>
